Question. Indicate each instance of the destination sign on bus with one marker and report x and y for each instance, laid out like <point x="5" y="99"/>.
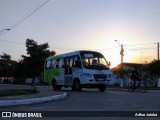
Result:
<point x="88" y="55"/>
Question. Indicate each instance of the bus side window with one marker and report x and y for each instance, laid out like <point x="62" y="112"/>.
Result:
<point x="74" y="61"/>
<point x="68" y="61"/>
<point x="77" y="62"/>
<point x="64" y="63"/>
<point x="71" y="62"/>
<point x="53" y="63"/>
<point x="57" y="64"/>
<point x="48" y="64"/>
<point x="61" y="63"/>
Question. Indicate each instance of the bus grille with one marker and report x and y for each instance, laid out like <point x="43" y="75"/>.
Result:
<point x="100" y="77"/>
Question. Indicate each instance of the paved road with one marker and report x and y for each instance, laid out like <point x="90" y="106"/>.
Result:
<point x="93" y="100"/>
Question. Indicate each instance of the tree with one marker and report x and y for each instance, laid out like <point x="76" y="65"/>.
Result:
<point x="34" y="62"/>
<point x="7" y="66"/>
<point x="19" y="72"/>
<point x="5" y="56"/>
<point x="154" y="67"/>
<point x="154" y="71"/>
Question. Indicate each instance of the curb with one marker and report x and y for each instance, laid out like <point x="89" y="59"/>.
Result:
<point x="4" y="103"/>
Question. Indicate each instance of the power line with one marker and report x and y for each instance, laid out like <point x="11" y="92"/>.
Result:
<point x="140" y="48"/>
<point x="22" y="20"/>
<point x="106" y="48"/>
<point x="53" y="47"/>
<point x="83" y="48"/>
<point x="8" y="41"/>
<point x="60" y="48"/>
<point x="29" y="15"/>
<point x="140" y="44"/>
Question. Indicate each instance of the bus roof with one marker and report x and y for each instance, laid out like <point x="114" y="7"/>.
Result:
<point x="68" y="54"/>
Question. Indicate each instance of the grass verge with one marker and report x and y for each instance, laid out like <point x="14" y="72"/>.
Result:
<point x="13" y="92"/>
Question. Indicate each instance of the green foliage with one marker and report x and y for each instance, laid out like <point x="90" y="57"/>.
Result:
<point x="5" y="56"/>
<point x="30" y="65"/>
<point x="154" y="67"/>
<point x="122" y="73"/>
<point x="7" y="66"/>
<point x="33" y="63"/>
<point x="9" y="92"/>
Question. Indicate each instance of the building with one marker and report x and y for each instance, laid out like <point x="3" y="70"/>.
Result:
<point x="123" y="72"/>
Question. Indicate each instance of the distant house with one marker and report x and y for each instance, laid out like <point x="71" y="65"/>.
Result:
<point x="127" y="66"/>
<point x="123" y="71"/>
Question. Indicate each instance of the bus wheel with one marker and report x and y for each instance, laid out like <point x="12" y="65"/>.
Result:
<point x="55" y="86"/>
<point x="102" y="88"/>
<point x="77" y="85"/>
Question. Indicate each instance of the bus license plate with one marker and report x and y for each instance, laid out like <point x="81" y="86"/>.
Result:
<point x="100" y="82"/>
<point x="100" y="79"/>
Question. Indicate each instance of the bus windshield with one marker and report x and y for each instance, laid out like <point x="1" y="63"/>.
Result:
<point x="93" y="60"/>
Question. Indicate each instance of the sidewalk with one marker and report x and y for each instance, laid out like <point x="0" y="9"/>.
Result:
<point x="45" y="94"/>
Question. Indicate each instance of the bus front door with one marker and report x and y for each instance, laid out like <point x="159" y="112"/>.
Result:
<point x="68" y="76"/>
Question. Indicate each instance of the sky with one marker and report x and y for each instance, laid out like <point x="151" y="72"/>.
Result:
<point x="70" y="25"/>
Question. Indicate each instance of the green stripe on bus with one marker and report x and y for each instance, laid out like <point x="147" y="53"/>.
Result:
<point x="49" y="74"/>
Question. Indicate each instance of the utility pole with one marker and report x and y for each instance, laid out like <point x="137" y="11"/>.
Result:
<point x="121" y="51"/>
<point x="158" y="50"/>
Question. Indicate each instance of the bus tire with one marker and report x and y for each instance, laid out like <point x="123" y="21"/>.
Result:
<point x="102" y="88"/>
<point x="55" y="87"/>
<point x="77" y="85"/>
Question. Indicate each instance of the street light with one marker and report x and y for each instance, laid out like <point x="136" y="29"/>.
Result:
<point x="4" y="30"/>
<point x="121" y="51"/>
